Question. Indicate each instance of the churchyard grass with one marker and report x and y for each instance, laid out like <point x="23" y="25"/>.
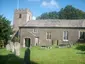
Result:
<point x="73" y="55"/>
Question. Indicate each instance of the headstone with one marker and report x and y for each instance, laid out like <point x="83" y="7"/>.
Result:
<point x="8" y="47"/>
<point x="17" y="48"/>
<point x="11" y="46"/>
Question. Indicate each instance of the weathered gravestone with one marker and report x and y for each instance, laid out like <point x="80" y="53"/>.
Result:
<point x="8" y="47"/>
<point x="11" y="46"/>
<point x="17" y="48"/>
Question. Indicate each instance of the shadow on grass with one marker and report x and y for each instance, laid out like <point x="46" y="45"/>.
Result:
<point x="12" y="59"/>
<point x="81" y="47"/>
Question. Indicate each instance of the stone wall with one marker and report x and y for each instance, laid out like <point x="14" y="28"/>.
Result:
<point x="56" y="34"/>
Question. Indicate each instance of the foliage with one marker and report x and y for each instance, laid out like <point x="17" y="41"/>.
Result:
<point x="69" y="12"/>
<point x="15" y="39"/>
<point x="1" y="43"/>
<point x="81" y="47"/>
<point x="50" y="15"/>
<point x="5" y="29"/>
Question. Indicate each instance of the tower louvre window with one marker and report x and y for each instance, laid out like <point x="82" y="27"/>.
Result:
<point x="20" y="15"/>
<point x="29" y="17"/>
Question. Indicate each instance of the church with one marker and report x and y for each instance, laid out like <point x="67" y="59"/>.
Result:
<point x="46" y="32"/>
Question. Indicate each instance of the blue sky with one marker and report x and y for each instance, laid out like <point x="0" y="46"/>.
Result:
<point x="37" y="7"/>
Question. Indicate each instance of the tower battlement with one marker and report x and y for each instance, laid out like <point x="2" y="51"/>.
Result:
<point x="21" y="16"/>
<point x="22" y="11"/>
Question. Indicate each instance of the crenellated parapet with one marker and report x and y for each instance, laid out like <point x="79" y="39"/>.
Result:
<point x="21" y="16"/>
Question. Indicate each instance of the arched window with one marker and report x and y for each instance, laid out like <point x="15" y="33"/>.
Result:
<point x="20" y="15"/>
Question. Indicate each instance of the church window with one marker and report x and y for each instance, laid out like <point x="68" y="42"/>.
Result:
<point x="65" y="36"/>
<point x="81" y="35"/>
<point x="29" y="17"/>
<point x="35" y="30"/>
<point x="20" y="15"/>
<point x="48" y="35"/>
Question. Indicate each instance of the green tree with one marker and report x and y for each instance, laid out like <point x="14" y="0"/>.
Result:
<point x="53" y="15"/>
<point x="61" y="14"/>
<point x="69" y="12"/>
<point x="49" y="15"/>
<point x="5" y="29"/>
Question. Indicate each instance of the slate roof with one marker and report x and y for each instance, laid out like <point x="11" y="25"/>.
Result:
<point x="55" y="23"/>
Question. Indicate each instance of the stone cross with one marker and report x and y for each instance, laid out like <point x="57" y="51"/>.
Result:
<point x="27" y="56"/>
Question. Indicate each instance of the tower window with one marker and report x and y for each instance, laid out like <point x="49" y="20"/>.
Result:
<point x="29" y="17"/>
<point x="20" y="15"/>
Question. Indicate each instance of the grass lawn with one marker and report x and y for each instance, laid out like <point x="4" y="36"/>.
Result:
<point x="74" y="55"/>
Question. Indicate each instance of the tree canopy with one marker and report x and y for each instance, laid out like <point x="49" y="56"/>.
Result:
<point x="69" y="12"/>
<point x="5" y="29"/>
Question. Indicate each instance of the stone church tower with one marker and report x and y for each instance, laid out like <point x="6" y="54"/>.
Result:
<point x="21" y="16"/>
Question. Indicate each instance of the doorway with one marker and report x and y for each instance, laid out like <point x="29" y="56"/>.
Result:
<point x="27" y="42"/>
<point x="36" y="41"/>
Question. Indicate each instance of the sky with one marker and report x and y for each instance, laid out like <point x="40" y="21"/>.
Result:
<point x="37" y="7"/>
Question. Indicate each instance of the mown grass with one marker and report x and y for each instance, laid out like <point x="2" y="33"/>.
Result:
<point x="57" y="56"/>
<point x="73" y="55"/>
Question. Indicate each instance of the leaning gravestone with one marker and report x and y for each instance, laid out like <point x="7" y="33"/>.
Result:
<point x="17" y="48"/>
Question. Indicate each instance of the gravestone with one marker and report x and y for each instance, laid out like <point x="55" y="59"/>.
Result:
<point x="8" y="47"/>
<point x="11" y="46"/>
<point x="17" y="48"/>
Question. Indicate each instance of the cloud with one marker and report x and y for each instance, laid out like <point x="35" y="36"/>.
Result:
<point x="33" y="18"/>
<point x="51" y="4"/>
